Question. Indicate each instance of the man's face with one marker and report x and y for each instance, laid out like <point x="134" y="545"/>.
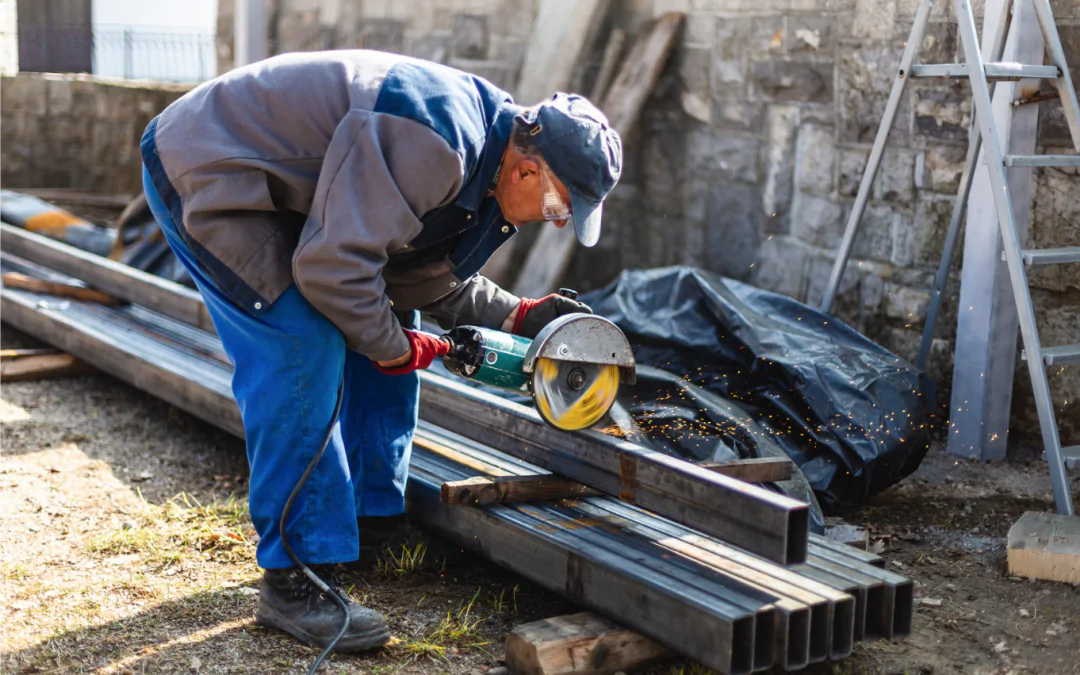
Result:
<point x="520" y="191"/>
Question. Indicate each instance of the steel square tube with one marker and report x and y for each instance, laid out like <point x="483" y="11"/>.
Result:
<point x="768" y="524"/>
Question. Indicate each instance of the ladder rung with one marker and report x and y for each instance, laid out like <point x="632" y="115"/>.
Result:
<point x="1042" y="160"/>
<point x="1062" y="355"/>
<point x="1052" y="256"/>
<point x="994" y="71"/>
<point x="1070" y="456"/>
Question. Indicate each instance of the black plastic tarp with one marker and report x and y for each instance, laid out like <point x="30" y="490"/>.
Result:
<point x="730" y="370"/>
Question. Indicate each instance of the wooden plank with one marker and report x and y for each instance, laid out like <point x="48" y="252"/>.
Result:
<point x="25" y="283"/>
<point x="554" y="248"/>
<point x="12" y="354"/>
<point x="612" y="51"/>
<point x="578" y="644"/>
<point x="116" y="279"/>
<point x="1045" y="546"/>
<point x="41" y="366"/>
<point x="484" y="490"/>
<point x="754" y="469"/>
<point x="562" y="32"/>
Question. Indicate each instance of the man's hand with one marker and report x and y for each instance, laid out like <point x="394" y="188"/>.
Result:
<point x="530" y="316"/>
<point x="423" y="349"/>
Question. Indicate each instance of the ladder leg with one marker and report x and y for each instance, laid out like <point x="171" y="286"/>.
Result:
<point x="915" y="38"/>
<point x="1064" y="81"/>
<point x="948" y="255"/>
<point x="984" y="114"/>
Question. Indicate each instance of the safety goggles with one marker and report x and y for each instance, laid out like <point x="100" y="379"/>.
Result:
<point x="554" y="208"/>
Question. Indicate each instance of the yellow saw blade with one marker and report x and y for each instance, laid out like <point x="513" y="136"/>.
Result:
<point x="573" y="395"/>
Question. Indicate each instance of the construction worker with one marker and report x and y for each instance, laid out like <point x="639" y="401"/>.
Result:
<point x="321" y="201"/>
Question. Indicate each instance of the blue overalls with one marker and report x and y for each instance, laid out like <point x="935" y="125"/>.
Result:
<point x="289" y="360"/>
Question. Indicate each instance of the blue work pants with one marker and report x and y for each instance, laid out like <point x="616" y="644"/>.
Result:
<point x="289" y="361"/>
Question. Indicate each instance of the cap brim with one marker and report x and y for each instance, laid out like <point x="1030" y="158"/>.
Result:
<point x="586" y="219"/>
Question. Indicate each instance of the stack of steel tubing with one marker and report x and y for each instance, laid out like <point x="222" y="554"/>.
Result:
<point x="700" y="595"/>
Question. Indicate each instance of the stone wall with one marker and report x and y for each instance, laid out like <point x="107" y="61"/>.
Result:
<point x="750" y="151"/>
<point x="76" y="131"/>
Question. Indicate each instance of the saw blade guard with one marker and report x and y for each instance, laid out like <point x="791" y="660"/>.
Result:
<point x="576" y="364"/>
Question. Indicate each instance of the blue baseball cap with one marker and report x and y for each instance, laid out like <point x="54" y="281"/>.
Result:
<point x="583" y="152"/>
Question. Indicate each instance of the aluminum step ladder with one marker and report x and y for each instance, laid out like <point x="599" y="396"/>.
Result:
<point x="983" y="75"/>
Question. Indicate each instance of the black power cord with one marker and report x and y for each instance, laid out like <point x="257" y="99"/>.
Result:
<point x="288" y="549"/>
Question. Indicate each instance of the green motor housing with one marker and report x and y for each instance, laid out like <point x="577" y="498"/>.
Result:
<point x="489" y="356"/>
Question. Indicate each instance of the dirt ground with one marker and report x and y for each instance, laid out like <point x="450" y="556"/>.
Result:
<point x="125" y="547"/>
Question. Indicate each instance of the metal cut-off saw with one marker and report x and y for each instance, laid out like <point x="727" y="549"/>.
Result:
<point x="572" y="369"/>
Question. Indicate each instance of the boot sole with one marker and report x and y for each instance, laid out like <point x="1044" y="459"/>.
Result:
<point x="371" y="639"/>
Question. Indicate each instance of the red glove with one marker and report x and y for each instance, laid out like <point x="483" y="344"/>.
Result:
<point x="532" y="315"/>
<point x="425" y="347"/>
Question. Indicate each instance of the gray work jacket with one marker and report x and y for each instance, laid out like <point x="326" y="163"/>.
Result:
<point x="363" y="177"/>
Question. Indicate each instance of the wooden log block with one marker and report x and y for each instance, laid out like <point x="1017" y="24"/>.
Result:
<point x="41" y="366"/>
<point x="24" y="283"/>
<point x="1045" y="546"/>
<point x="582" y="644"/>
<point x="484" y="490"/>
<point x="755" y="469"/>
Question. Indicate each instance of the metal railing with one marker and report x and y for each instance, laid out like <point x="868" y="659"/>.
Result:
<point x="134" y="52"/>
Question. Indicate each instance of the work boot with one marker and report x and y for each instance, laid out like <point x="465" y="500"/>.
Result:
<point x="377" y="533"/>
<point x="290" y="602"/>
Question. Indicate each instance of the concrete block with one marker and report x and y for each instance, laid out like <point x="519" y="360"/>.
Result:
<point x="810" y="34"/>
<point x="24" y="93"/>
<point x="874" y="240"/>
<point x="907" y="304"/>
<point x="693" y="66"/>
<point x="895" y="181"/>
<point x="779" y="166"/>
<point x="664" y="163"/>
<point x="727" y="157"/>
<point x="699" y="30"/>
<point x="738" y="115"/>
<point x="387" y="35"/>
<point x="469" y="39"/>
<point x="782" y="80"/>
<point x="864" y="79"/>
<point x="874" y="19"/>
<point x="730" y="53"/>
<point x="781" y="265"/>
<point x="922" y="243"/>
<point x="943" y="113"/>
<point x="733" y="230"/>
<point x="430" y="46"/>
<point x="815" y="159"/>
<point x="816" y="220"/>
<point x="852" y="167"/>
<point x="941" y="169"/>
<point x="767" y="36"/>
<point x="942" y="41"/>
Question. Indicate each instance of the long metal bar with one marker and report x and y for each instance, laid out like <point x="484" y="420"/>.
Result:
<point x="1014" y="259"/>
<point x="766" y="523"/>
<point x="874" y="162"/>
<point x="116" y="279"/>
<point x="994" y="71"/>
<point x="948" y="254"/>
<point x="1064" y="81"/>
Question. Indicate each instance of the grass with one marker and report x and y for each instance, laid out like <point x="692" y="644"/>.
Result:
<point x="459" y="630"/>
<point x="500" y="604"/>
<point x="410" y="560"/>
<point x="691" y="668"/>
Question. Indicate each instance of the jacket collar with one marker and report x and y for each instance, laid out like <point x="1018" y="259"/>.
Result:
<point x="475" y="191"/>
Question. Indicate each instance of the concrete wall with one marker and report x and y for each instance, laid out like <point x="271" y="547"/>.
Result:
<point x="76" y="131"/>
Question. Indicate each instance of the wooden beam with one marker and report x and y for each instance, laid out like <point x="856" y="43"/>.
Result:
<point x="41" y="366"/>
<point x="24" y="283"/>
<point x="484" y="490"/>
<point x="755" y="469"/>
<point x="78" y="197"/>
<point x="1045" y="546"/>
<point x="554" y="248"/>
<point x="13" y="354"/>
<point x="578" y="644"/>
<point x="612" y="52"/>
<point x="562" y="32"/>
